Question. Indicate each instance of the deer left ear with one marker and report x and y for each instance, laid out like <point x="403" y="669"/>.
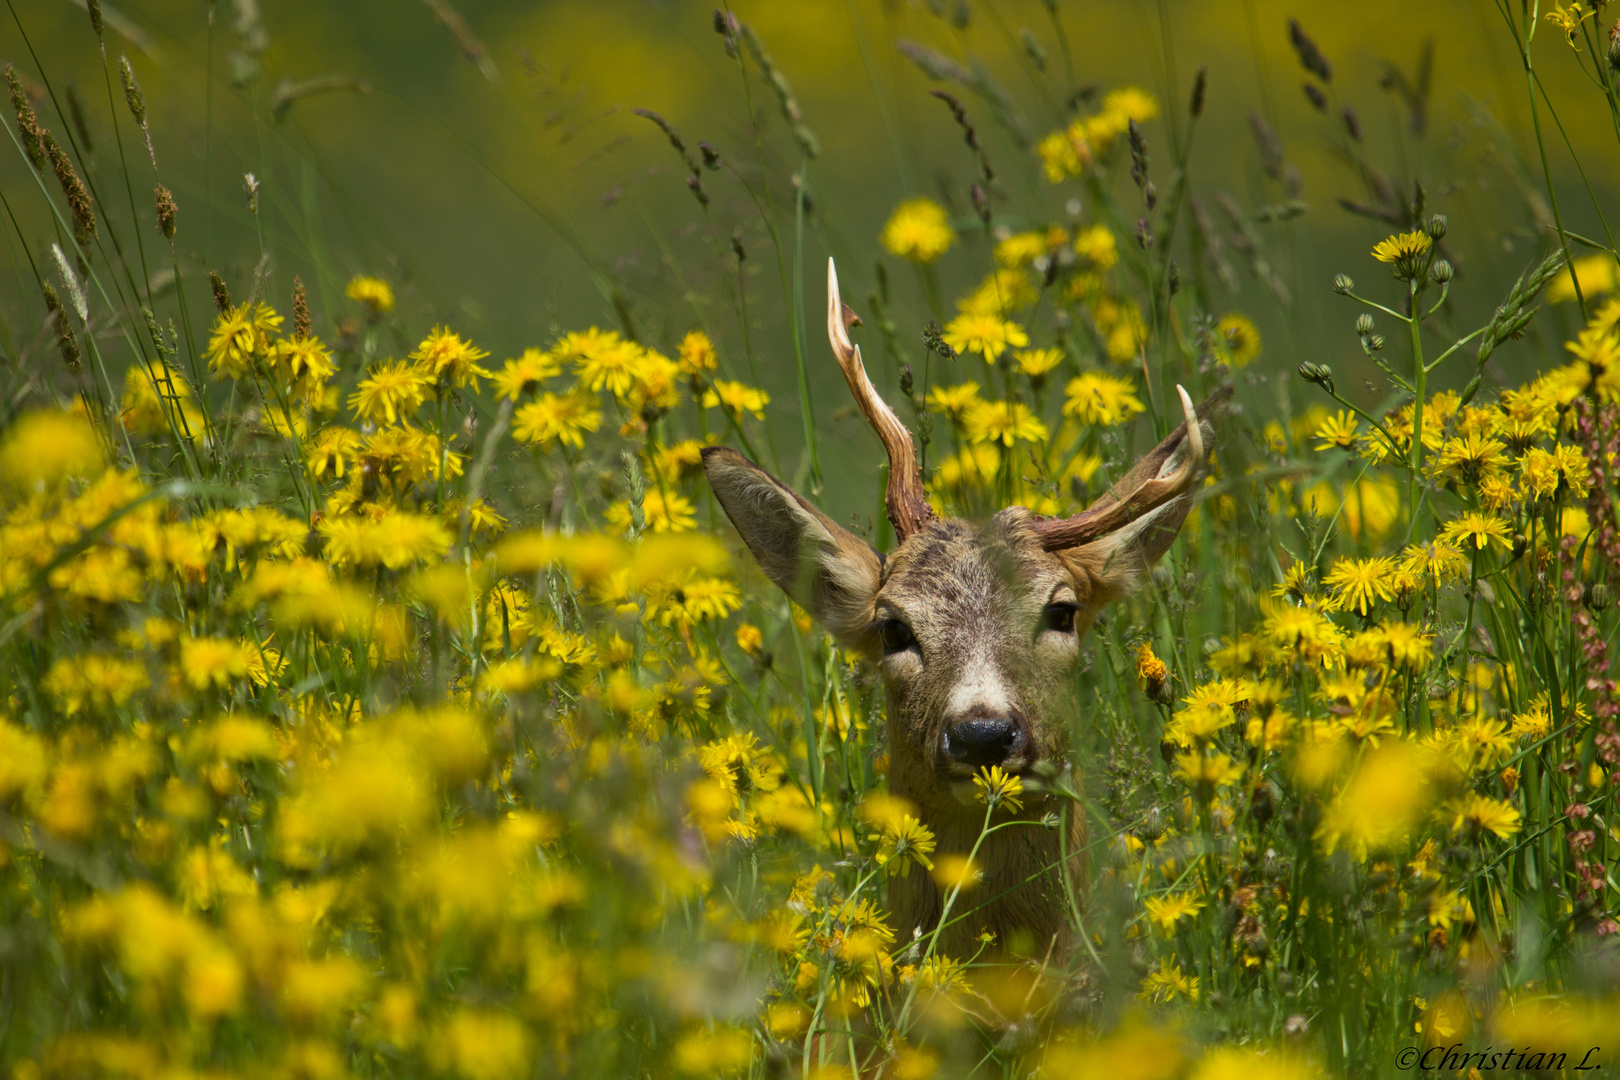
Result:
<point x="825" y="568"/>
<point x="1114" y="564"/>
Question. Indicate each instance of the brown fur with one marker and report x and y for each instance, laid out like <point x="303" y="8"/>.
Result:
<point x="973" y="598"/>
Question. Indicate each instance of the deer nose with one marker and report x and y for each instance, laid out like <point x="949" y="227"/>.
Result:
<point x="981" y="742"/>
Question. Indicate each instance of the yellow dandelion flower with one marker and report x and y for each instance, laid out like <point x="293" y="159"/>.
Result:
<point x="918" y="230"/>
<point x="661" y="512"/>
<point x="1405" y="252"/>
<point x="1358" y="584"/>
<point x="1097" y="244"/>
<point x="392" y="392"/>
<point x="526" y="373"/>
<point x="1476" y="530"/>
<point x="1239" y="339"/>
<point x="737" y="398"/>
<point x="1105" y="400"/>
<point x="375" y="293"/>
<point x="1478" y="814"/>
<point x="1038" y="363"/>
<point x="985" y="334"/>
<point x="211" y="661"/>
<point x="697" y="354"/>
<point x="562" y="418"/>
<point x="448" y="360"/>
<point x="907" y="841"/>
<point x="1006" y="422"/>
<point x="42" y="449"/>
<point x="956" y="401"/>
<point x="239" y="335"/>
<point x="1337" y="432"/>
<point x="998" y="788"/>
<point x="395" y="540"/>
<point x="1171" y="908"/>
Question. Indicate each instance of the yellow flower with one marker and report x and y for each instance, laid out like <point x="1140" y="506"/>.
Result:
<point x="997" y="788"/>
<point x="43" y="448"/>
<point x="1477" y="529"/>
<point x="1021" y="249"/>
<point x="697" y="354"/>
<point x="905" y="842"/>
<point x="1171" y="908"/>
<point x="1105" y="400"/>
<point x="448" y="360"/>
<point x="1006" y="422"/>
<point x="1337" y="432"/>
<point x="1437" y="561"/>
<point x="563" y="418"/>
<point x="1038" y="363"/>
<point x="1205" y="773"/>
<point x="1595" y="273"/>
<point x="1404" y="251"/>
<point x="395" y="540"/>
<point x="1240" y="339"/>
<point x="1001" y="293"/>
<point x="1167" y="982"/>
<point x="1098" y="245"/>
<point x="1472" y="458"/>
<point x="985" y="334"/>
<point x="238" y="336"/>
<point x="749" y="638"/>
<point x="736" y="399"/>
<point x="1480" y="814"/>
<point x="526" y="373"/>
<point x="603" y="360"/>
<point x="954" y="401"/>
<point x="210" y="661"/>
<point x="482" y="1045"/>
<point x="661" y="512"/>
<point x="918" y="230"/>
<point x="392" y="392"/>
<point x="1381" y="804"/>
<point x="372" y="292"/>
<point x="1150" y="670"/>
<point x="1360" y="583"/>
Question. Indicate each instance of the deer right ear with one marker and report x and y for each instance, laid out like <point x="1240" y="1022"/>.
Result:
<point x="826" y="569"/>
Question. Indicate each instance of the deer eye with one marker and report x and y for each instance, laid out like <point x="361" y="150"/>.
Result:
<point x="895" y="636"/>
<point x="1059" y="617"/>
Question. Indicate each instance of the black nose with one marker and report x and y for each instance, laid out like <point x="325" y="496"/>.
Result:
<point x="977" y="743"/>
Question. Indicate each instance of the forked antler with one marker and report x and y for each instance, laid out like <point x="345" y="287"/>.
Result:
<point x="1139" y="492"/>
<point x="907" y="503"/>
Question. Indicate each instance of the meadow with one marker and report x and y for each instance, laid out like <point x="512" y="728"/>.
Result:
<point x="386" y="694"/>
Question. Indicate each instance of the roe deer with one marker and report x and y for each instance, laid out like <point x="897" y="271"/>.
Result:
<point x="976" y="630"/>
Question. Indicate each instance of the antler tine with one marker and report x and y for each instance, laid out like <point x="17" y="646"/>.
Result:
<point x="907" y="503"/>
<point x="1113" y="512"/>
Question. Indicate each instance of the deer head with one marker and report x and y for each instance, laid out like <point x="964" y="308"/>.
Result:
<point x="975" y="627"/>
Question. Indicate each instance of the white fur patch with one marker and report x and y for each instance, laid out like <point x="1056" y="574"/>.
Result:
<point x="979" y="688"/>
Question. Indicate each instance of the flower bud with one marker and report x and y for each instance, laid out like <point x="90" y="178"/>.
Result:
<point x="1375" y="342"/>
<point x="1436" y="228"/>
<point x="1342" y="284"/>
<point x="906" y="384"/>
<point x="1320" y="374"/>
<point x="1364" y="324"/>
<point x="1597" y="596"/>
<point x="1442" y="271"/>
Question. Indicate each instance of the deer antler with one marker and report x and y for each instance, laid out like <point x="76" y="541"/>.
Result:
<point x="907" y="504"/>
<point x="1133" y="498"/>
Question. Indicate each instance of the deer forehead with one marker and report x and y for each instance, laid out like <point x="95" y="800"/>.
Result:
<point x="971" y="584"/>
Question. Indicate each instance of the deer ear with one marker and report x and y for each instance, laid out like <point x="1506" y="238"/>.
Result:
<point x="826" y="569"/>
<point x="1115" y="564"/>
